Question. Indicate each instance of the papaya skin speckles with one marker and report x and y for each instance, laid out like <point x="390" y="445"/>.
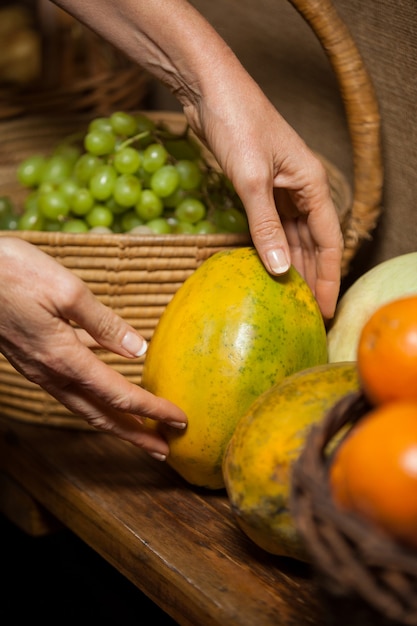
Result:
<point x="267" y="441"/>
<point x="230" y="332"/>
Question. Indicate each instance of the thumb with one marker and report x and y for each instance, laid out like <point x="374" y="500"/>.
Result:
<point x="101" y="323"/>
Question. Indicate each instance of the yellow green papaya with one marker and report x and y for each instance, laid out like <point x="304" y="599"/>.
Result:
<point x="230" y="332"/>
<point x="267" y="441"/>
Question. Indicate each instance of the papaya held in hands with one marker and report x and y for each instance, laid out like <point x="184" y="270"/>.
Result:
<point x="230" y="332"/>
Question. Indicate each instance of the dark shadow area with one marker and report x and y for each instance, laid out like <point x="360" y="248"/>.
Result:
<point x="58" y="578"/>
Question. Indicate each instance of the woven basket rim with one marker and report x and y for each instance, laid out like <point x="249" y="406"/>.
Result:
<point x="125" y="240"/>
<point x="362" y="115"/>
<point x="30" y="129"/>
<point x="353" y="557"/>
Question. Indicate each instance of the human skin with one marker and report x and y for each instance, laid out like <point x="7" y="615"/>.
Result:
<point x="282" y="184"/>
<point x="49" y="319"/>
<point x="49" y="323"/>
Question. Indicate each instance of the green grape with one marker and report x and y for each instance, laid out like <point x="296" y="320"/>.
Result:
<point x="144" y="123"/>
<point x="31" y="200"/>
<point x="183" y="149"/>
<point x="145" y="130"/>
<point x="31" y="219"/>
<point x="82" y="201"/>
<point x="69" y="151"/>
<point x="165" y="181"/>
<point x="123" y="124"/>
<point x="159" y="226"/>
<point x="74" y="226"/>
<point x="52" y="226"/>
<point x="130" y="220"/>
<point x="6" y="206"/>
<point x="116" y="227"/>
<point x="103" y="230"/>
<point x="172" y="220"/>
<point x="29" y="172"/>
<point x="9" y="222"/>
<point x="144" y="177"/>
<point x="173" y="200"/>
<point x="127" y="190"/>
<point x="141" y="230"/>
<point x="184" y="228"/>
<point x="53" y="205"/>
<point x="205" y="227"/>
<point x="149" y="206"/>
<point x="100" y="123"/>
<point x="128" y="172"/>
<point x="190" y="210"/>
<point x="154" y="157"/>
<point x="232" y="221"/>
<point x="102" y="182"/>
<point x="68" y="187"/>
<point x="190" y="174"/>
<point x="46" y="187"/>
<point x="56" y="169"/>
<point x="116" y="209"/>
<point x="99" y="142"/>
<point x="99" y="215"/>
<point x="85" y="167"/>
<point x="7" y="213"/>
<point x="127" y="160"/>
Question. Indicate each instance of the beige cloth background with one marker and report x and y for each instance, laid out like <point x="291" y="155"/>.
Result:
<point x="283" y="54"/>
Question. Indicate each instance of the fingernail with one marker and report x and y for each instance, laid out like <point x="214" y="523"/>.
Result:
<point x="180" y="425"/>
<point x="158" y="456"/>
<point x="278" y="261"/>
<point x="134" y="344"/>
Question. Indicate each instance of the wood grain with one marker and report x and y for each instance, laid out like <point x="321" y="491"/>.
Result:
<point x="177" y="544"/>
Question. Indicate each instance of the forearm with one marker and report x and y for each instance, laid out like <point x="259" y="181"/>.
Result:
<point x="169" y="38"/>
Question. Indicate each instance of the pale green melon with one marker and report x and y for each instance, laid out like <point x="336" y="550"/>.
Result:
<point x="387" y="281"/>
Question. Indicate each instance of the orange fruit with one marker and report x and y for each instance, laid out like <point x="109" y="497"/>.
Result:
<point x="374" y="470"/>
<point x="387" y="352"/>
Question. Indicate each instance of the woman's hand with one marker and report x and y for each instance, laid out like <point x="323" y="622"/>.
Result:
<point x="40" y="302"/>
<point x="282" y="184"/>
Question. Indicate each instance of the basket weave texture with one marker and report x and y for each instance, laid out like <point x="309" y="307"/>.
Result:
<point x="137" y="275"/>
<point x="353" y="559"/>
<point x="80" y="72"/>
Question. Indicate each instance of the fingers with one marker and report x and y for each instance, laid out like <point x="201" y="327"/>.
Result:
<point x="37" y="337"/>
<point x="62" y="294"/>
<point x="310" y="225"/>
<point x="307" y="236"/>
<point x="265" y="225"/>
<point x="106" y="328"/>
<point x="125" y="426"/>
<point x="109" y="402"/>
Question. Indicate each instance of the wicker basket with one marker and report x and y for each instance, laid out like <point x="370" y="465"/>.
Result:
<point x="354" y="561"/>
<point x="138" y="275"/>
<point x="80" y="72"/>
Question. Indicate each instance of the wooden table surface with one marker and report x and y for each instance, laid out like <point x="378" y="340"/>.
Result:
<point x="178" y="544"/>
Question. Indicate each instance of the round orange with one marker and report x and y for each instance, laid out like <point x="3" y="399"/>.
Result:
<point x="387" y="352"/>
<point x="374" y="470"/>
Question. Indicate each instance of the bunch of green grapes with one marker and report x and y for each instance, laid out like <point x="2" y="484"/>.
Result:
<point x="127" y="174"/>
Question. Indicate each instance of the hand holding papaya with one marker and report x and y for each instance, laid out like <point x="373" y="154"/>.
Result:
<point x="39" y="300"/>
<point x="256" y="148"/>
